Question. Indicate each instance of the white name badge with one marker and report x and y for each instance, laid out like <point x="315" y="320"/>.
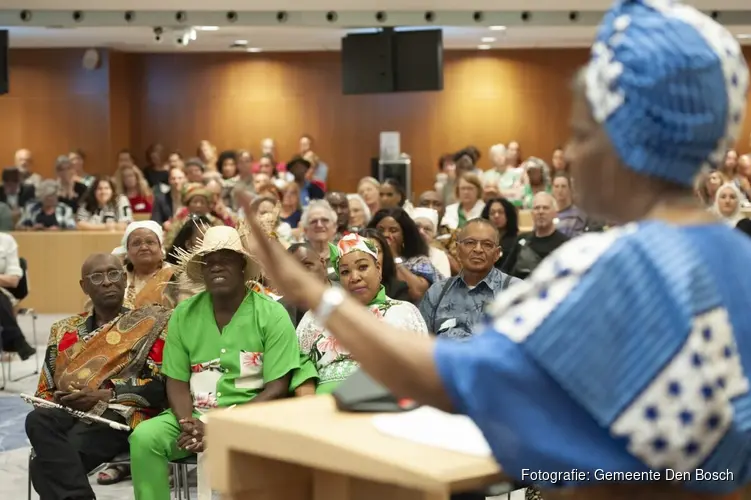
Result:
<point x="449" y="323"/>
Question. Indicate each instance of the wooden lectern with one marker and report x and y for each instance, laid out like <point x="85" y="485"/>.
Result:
<point x="304" y="449"/>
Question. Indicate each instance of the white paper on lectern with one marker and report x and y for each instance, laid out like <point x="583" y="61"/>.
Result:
<point x="432" y="427"/>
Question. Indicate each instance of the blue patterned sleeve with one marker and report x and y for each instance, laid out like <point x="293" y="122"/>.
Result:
<point x="598" y="363"/>
<point x="422" y="267"/>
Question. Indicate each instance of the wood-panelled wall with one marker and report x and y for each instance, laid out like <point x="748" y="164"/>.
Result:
<point x="235" y="100"/>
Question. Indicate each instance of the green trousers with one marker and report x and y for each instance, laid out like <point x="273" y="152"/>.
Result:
<point x="153" y="444"/>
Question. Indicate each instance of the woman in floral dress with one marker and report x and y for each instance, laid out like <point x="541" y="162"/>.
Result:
<point x="356" y="264"/>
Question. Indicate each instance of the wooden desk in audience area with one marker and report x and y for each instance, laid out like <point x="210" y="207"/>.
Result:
<point x="55" y="260"/>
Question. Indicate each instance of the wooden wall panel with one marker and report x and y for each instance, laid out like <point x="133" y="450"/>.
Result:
<point x="54" y="105"/>
<point x="123" y="103"/>
<point x="235" y="100"/>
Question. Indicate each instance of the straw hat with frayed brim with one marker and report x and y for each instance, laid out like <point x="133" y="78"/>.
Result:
<point x="215" y="239"/>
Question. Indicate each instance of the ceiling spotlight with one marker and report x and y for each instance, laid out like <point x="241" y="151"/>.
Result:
<point x="483" y="47"/>
<point x="240" y="42"/>
<point x="207" y="28"/>
<point x="488" y="39"/>
<point x="254" y="49"/>
<point x="498" y="28"/>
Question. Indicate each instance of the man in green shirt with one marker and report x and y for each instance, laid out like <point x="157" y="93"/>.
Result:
<point x="226" y="346"/>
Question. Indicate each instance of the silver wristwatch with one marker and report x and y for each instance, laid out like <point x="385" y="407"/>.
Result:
<point x="332" y="298"/>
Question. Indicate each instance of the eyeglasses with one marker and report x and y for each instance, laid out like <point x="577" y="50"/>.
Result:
<point x="113" y="276"/>
<point x="149" y="242"/>
<point x="470" y="244"/>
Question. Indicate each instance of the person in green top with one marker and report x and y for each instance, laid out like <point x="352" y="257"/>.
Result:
<point x="226" y="346"/>
<point x="359" y="271"/>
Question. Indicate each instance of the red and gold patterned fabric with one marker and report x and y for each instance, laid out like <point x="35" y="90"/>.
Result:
<point x="124" y="355"/>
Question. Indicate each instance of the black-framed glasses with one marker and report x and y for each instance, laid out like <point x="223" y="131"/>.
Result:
<point x="471" y="244"/>
<point x="113" y="276"/>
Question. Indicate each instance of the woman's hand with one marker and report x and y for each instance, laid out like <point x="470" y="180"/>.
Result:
<point x="290" y="278"/>
<point x="395" y="250"/>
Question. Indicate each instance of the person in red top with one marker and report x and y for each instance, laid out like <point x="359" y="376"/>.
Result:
<point x="130" y="181"/>
<point x="268" y="149"/>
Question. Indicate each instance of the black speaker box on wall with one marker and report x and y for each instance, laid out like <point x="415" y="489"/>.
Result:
<point x="3" y="62"/>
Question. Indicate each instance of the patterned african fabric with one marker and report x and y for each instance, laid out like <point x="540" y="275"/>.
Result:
<point x="623" y="351"/>
<point x="331" y="359"/>
<point x="124" y="355"/>
<point x="155" y="290"/>
<point x="421" y="266"/>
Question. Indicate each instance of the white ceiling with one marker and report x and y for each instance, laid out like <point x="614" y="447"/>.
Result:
<point x="288" y="38"/>
<point x="257" y="22"/>
<point x="202" y="5"/>
<point x="291" y="38"/>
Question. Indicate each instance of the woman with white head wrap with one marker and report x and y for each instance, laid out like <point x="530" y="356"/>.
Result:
<point x="149" y="282"/>
<point x="148" y="275"/>
<point x="727" y="204"/>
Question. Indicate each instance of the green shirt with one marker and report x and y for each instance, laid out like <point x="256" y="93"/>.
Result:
<point x="231" y="367"/>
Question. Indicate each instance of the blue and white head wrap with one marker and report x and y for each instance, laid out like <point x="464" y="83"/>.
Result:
<point x="669" y="85"/>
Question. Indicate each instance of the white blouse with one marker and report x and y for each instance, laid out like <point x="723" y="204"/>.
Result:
<point x="120" y="213"/>
<point x="331" y="359"/>
<point x="9" y="262"/>
<point x="451" y="217"/>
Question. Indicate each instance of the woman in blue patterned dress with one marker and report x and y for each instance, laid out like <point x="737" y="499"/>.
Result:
<point x="625" y="351"/>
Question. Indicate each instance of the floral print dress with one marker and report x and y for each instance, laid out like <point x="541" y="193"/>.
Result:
<point x="332" y="361"/>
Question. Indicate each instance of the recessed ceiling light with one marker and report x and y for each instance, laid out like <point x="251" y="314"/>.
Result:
<point x="207" y="28"/>
<point x="488" y="39"/>
<point x="483" y="47"/>
<point x="254" y="49"/>
<point x="498" y="28"/>
<point x="240" y="42"/>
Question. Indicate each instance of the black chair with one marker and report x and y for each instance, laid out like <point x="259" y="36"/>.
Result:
<point x="20" y="292"/>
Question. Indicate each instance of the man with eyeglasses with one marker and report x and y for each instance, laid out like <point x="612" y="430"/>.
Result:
<point x="318" y="221"/>
<point x="106" y="362"/>
<point x="453" y="306"/>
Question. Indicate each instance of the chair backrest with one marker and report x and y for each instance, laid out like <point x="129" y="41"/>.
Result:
<point x="22" y="290"/>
